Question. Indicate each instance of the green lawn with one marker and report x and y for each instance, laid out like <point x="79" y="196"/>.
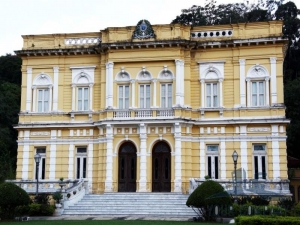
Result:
<point x="105" y="222"/>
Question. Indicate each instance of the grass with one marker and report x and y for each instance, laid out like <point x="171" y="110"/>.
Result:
<point x="105" y="222"/>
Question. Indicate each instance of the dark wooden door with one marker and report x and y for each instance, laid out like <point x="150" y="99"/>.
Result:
<point x="161" y="168"/>
<point x="127" y="168"/>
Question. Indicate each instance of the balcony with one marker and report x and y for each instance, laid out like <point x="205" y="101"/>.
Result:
<point x="142" y="113"/>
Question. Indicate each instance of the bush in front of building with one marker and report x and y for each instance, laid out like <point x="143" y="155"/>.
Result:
<point x="11" y="197"/>
<point x="266" y="220"/>
<point x="207" y="194"/>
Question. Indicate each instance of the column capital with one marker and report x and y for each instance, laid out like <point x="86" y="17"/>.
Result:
<point x="29" y="70"/>
<point x="132" y="81"/>
<point x="267" y="78"/>
<point x="55" y="69"/>
<point x="273" y="60"/>
<point x="154" y="80"/>
<point x="91" y="85"/>
<point x="179" y="62"/>
<point x="109" y="64"/>
<point x="221" y="80"/>
<point x="242" y="62"/>
<point x="33" y="87"/>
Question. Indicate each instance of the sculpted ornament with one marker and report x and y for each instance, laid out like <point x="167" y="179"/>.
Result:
<point x="143" y="30"/>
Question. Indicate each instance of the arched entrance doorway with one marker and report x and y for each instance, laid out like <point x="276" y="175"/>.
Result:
<point x="127" y="168"/>
<point x="161" y="167"/>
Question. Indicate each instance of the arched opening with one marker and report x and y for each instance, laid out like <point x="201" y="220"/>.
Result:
<point x="161" y="167"/>
<point x="127" y="168"/>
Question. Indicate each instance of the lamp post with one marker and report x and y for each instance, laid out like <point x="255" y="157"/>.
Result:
<point x="37" y="159"/>
<point x="235" y="157"/>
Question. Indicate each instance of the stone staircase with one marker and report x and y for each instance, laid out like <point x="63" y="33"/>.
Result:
<point x="168" y="205"/>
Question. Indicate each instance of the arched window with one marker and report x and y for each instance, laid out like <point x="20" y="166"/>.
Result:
<point x="211" y="78"/>
<point x="258" y="86"/>
<point x="42" y="93"/>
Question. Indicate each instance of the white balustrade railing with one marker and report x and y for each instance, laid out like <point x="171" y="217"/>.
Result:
<point x="122" y="114"/>
<point x="165" y="112"/>
<point x="143" y="113"/>
<point x="276" y="187"/>
<point x="75" y="193"/>
<point x="45" y="186"/>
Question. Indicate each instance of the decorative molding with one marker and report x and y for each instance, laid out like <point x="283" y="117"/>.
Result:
<point x="259" y="129"/>
<point x="83" y="41"/>
<point x="39" y="133"/>
<point x="212" y="34"/>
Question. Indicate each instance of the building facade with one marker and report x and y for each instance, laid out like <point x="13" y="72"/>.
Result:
<point x="146" y="108"/>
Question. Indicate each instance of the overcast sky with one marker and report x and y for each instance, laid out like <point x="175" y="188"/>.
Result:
<point x="23" y="17"/>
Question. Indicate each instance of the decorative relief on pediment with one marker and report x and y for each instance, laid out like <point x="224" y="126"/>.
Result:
<point x="143" y="30"/>
<point x="144" y="74"/>
<point x="165" y="73"/>
<point x="42" y="80"/>
<point x="123" y="75"/>
<point x="257" y="71"/>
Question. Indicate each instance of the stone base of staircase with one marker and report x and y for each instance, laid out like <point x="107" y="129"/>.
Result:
<point x="133" y="206"/>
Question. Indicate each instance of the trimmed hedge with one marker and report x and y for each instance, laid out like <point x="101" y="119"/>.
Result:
<point x="266" y="220"/>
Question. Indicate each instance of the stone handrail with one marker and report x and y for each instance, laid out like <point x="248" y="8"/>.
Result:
<point x="75" y="193"/>
<point x="275" y="187"/>
<point x="45" y="186"/>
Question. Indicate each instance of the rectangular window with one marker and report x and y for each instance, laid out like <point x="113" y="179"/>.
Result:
<point x="213" y="161"/>
<point x="41" y="171"/>
<point x="145" y="96"/>
<point x="166" y="95"/>
<point x="43" y="100"/>
<point x="123" y="97"/>
<point x="259" y="152"/>
<point x="81" y="162"/>
<point x="258" y="93"/>
<point x="212" y="95"/>
<point x="83" y="99"/>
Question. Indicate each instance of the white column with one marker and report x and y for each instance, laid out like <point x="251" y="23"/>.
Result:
<point x="244" y="152"/>
<point x="177" y="136"/>
<point x="267" y="91"/>
<point x="202" y="93"/>
<point x="55" y="89"/>
<point x="109" y="78"/>
<point x="109" y="159"/>
<point x="223" y="159"/>
<point x="182" y="83"/>
<point x="248" y="93"/>
<point x="71" y="159"/>
<point x="275" y="152"/>
<point x="50" y="97"/>
<point x="91" y="97"/>
<point x="143" y="159"/>
<point x="28" y="89"/>
<point x="90" y="165"/>
<point x="221" y="92"/>
<point x="106" y="86"/>
<point x="133" y="93"/>
<point x="25" y="161"/>
<point x="242" y="83"/>
<point x="73" y="96"/>
<point x="52" y="161"/>
<point x="34" y="99"/>
<point x="202" y="160"/>
<point x="154" y="93"/>
<point x="273" y="80"/>
<point x="178" y="80"/>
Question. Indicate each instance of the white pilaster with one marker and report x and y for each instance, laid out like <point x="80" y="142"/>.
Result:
<point x="71" y="159"/>
<point x="109" y="78"/>
<point x="50" y="97"/>
<point x="55" y="89"/>
<point x="223" y="159"/>
<point x="90" y="165"/>
<point x="91" y="96"/>
<point x="275" y="153"/>
<point x="73" y="96"/>
<point x="178" y="80"/>
<point x="249" y="91"/>
<point x="202" y="160"/>
<point x="154" y="93"/>
<point x="106" y="86"/>
<point x="202" y="93"/>
<point x="182" y="83"/>
<point x="52" y="161"/>
<point x="221" y="92"/>
<point x="273" y="80"/>
<point x="133" y="93"/>
<point x="143" y="159"/>
<point x="242" y="83"/>
<point x="28" y="89"/>
<point x="267" y="91"/>
<point x="244" y="153"/>
<point x="34" y="99"/>
<point x="25" y="161"/>
<point x="109" y="159"/>
<point x="177" y="136"/>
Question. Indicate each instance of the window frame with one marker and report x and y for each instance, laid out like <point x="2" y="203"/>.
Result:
<point x="260" y="158"/>
<point x="143" y="101"/>
<point x="168" y="102"/>
<point x="43" y="89"/>
<point x="212" y="157"/>
<point x="258" y="93"/>
<point x="124" y="96"/>
<point x="81" y="157"/>
<point x="212" y="84"/>
<point x="83" y="87"/>
<point x="42" y="164"/>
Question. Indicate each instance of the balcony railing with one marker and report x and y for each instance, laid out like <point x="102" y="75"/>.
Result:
<point x="276" y="187"/>
<point x="142" y="113"/>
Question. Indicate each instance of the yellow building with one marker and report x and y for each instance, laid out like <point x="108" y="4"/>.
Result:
<point x="146" y="108"/>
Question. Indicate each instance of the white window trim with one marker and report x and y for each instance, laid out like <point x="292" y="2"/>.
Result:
<point x="167" y="101"/>
<point x="81" y="156"/>
<point x="260" y="154"/>
<point x="82" y="103"/>
<point x="144" y="106"/>
<point x="123" y="85"/>
<point x="43" y="156"/>
<point x="213" y="154"/>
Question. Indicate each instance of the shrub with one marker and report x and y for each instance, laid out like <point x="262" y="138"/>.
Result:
<point x="286" y="203"/>
<point x="266" y="220"/>
<point x="11" y="197"/>
<point x="36" y="209"/>
<point x="253" y="200"/>
<point x="207" y="194"/>
<point x="42" y="199"/>
<point x="57" y="196"/>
